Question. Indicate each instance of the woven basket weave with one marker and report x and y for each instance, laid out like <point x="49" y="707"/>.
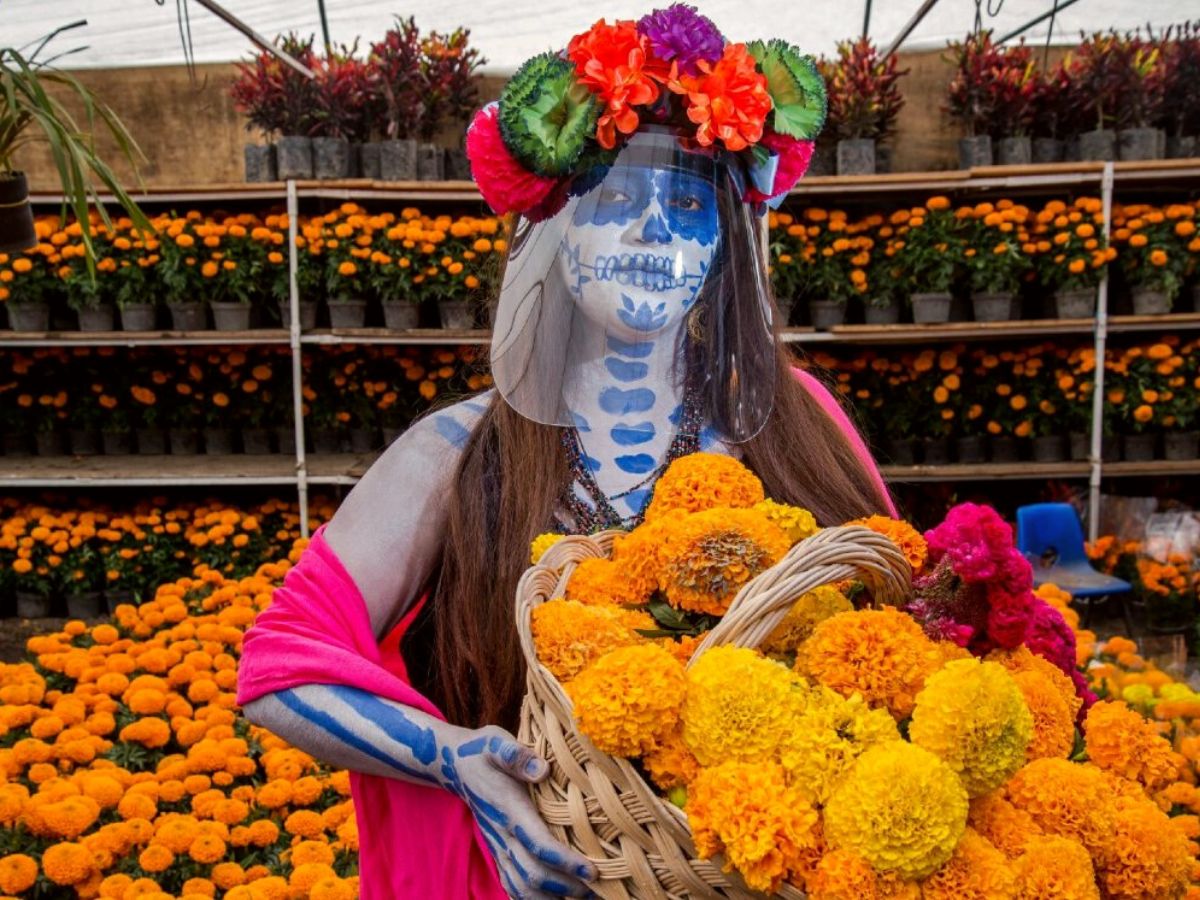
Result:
<point x="599" y="804"/>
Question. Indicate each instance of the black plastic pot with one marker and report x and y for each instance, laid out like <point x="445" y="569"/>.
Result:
<point x="888" y="314"/>
<point x="1080" y="446"/>
<point x="992" y="307"/>
<point x="151" y="441"/>
<point x="260" y="163"/>
<point x="48" y="443"/>
<point x="931" y="308"/>
<point x="1180" y="445"/>
<point x="1004" y="449"/>
<point x="1098" y="146"/>
<point x="16" y="443"/>
<point x="331" y="157"/>
<point x="114" y="598"/>
<point x="430" y="162"/>
<point x="1048" y="150"/>
<point x="138" y="317"/>
<point x="856" y="156"/>
<point x="29" y="316"/>
<point x="1049" y="448"/>
<point x="1138" y="447"/>
<point x="85" y="604"/>
<point x="218" y="441"/>
<point x="1014" y="151"/>
<point x="1150" y="302"/>
<point x="256" y="441"/>
<point x="935" y="451"/>
<point x="16" y="215"/>
<point x="901" y="451"/>
<point x="230" y="316"/>
<point x="457" y="165"/>
<point x="1075" y="304"/>
<point x="83" y="441"/>
<point x="363" y="440"/>
<point x="32" y="606"/>
<point x="184" y="441"/>
<point x="400" y="315"/>
<point x="308" y="315"/>
<point x="285" y="439"/>
<point x="294" y="157"/>
<point x="1140" y="144"/>
<point x="116" y="443"/>
<point x="98" y="318"/>
<point x="369" y="161"/>
<point x="974" y="151"/>
<point x="347" y="313"/>
<point x="326" y="440"/>
<point x="826" y="314"/>
<point x="398" y="160"/>
<point x="1182" y="146"/>
<point x="457" y="315"/>
<point x="970" y="449"/>
<point x="188" y="316"/>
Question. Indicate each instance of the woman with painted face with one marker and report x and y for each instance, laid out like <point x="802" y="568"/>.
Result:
<point x="634" y="325"/>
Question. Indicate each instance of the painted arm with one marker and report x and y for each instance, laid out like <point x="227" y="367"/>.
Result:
<point x="363" y="574"/>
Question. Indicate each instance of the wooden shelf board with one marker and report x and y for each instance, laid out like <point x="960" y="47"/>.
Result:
<point x="199" y="470"/>
<point x="1165" y="172"/>
<point x="141" y="338"/>
<point x="1019" y="471"/>
<point x="386" y="336"/>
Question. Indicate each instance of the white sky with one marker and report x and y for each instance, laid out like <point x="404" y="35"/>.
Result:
<point x="142" y="32"/>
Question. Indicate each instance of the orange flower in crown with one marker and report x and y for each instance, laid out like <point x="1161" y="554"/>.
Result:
<point x="728" y="100"/>
<point x="615" y="63"/>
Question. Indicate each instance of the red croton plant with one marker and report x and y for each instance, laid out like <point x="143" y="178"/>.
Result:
<point x="993" y="88"/>
<point x="275" y="97"/>
<point x="864" y="93"/>
<point x="1113" y="78"/>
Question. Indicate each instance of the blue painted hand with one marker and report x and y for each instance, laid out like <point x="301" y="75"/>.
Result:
<point x="490" y="770"/>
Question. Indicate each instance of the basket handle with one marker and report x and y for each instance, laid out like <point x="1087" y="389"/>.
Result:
<point x="830" y="555"/>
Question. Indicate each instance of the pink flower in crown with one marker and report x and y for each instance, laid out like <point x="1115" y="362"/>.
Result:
<point x="616" y="63"/>
<point x="505" y="184"/>
<point x="794" y="157"/>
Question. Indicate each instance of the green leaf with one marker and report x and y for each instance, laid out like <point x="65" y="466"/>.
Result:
<point x="547" y="116"/>
<point x="796" y="87"/>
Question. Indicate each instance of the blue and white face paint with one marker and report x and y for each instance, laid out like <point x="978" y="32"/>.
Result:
<point x="638" y="248"/>
<point x="652" y="271"/>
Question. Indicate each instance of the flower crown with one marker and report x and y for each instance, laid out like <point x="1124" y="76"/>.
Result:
<point x="562" y="114"/>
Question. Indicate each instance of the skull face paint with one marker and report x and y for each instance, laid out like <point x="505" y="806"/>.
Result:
<point x="638" y="248"/>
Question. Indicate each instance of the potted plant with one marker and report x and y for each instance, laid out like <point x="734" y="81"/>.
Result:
<point x="1053" y="114"/>
<point x="1134" y="394"/>
<point x="37" y="577"/>
<point x="280" y="101"/>
<point x="995" y="262"/>
<point x="148" y="429"/>
<point x="864" y="97"/>
<point x="135" y="290"/>
<point x="1108" y="75"/>
<point x="1070" y="255"/>
<point x="233" y="271"/>
<point x="185" y="411"/>
<point x="788" y="267"/>
<point x="970" y="96"/>
<point x="90" y="296"/>
<point x="85" y="415"/>
<point x="33" y="111"/>
<point x="1013" y="81"/>
<point x="116" y="435"/>
<point x="1153" y="253"/>
<point x="930" y="254"/>
<point x="397" y="81"/>
<point x="256" y="407"/>
<point x="1070" y="389"/>
<point x="884" y="275"/>
<point x="388" y="276"/>
<point x="340" y="120"/>
<point x="1180" y="411"/>
<point x="824" y="157"/>
<point x="29" y="285"/>
<point x="1178" y="72"/>
<point x="50" y="412"/>
<point x="1137" y="137"/>
<point x="345" y="263"/>
<point x="181" y="272"/>
<point x="939" y="381"/>
<point x="80" y="573"/>
<point x="449" y="93"/>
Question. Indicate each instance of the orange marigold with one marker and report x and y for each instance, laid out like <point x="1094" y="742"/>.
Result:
<point x="976" y="871"/>
<point x="637" y="554"/>
<point x="709" y="556"/>
<point x="1121" y="741"/>
<point x="1066" y="799"/>
<point x="1053" y="721"/>
<point x="1147" y="857"/>
<point x="1007" y="827"/>
<point x="844" y="875"/>
<point x="18" y="872"/>
<point x="747" y="812"/>
<point x="598" y="581"/>
<point x="68" y="863"/>
<point x="701" y="481"/>
<point x="903" y="535"/>
<point x="671" y="764"/>
<point x="570" y="635"/>
<point x="880" y="653"/>
<point x="1055" y="867"/>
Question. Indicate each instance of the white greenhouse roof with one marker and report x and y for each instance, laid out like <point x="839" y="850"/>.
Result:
<point x="124" y="33"/>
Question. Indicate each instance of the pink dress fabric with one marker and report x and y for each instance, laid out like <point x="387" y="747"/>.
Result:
<point x="414" y="841"/>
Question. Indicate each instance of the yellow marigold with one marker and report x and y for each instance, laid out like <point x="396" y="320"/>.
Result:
<point x="638" y="554"/>
<point x="570" y="635"/>
<point x="629" y="699"/>
<point x="828" y="736"/>
<point x="903" y="535"/>
<point x="1066" y="799"/>
<point x="739" y="706"/>
<point x="811" y="609"/>
<point x="708" y="556"/>
<point x="900" y="808"/>
<point x="747" y="812"/>
<point x="973" y="716"/>
<point x="1121" y="741"/>
<point x="671" y="764"/>
<point x="600" y="582"/>
<point x="1053" y="721"/>
<point x="1147" y="858"/>
<point x="1007" y="827"/>
<point x="976" y="871"/>
<point x="842" y="875"/>
<point x="795" y="521"/>
<point x="68" y="863"/>
<point x="1055" y="867"/>
<point x="880" y="653"/>
<point x="18" y="872"/>
<point x="701" y="481"/>
<point x="541" y="544"/>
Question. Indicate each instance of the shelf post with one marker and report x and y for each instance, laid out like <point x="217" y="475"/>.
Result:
<point x="293" y="212"/>
<point x="1101" y="338"/>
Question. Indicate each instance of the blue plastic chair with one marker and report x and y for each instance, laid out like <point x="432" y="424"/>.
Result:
<point x="1051" y="538"/>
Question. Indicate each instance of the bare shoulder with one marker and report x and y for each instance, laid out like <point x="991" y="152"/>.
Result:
<point x="388" y="531"/>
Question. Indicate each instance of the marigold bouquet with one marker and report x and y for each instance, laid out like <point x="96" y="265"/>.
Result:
<point x="848" y="740"/>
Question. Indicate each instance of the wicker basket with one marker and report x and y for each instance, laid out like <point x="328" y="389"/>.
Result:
<point x="599" y="804"/>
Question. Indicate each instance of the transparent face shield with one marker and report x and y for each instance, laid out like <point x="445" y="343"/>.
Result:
<point x="653" y="258"/>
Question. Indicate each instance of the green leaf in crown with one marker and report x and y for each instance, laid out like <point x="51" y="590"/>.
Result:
<point x="546" y="116"/>
<point x="796" y="87"/>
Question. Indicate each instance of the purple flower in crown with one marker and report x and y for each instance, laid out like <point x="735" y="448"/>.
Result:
<point x="681" y="35"/>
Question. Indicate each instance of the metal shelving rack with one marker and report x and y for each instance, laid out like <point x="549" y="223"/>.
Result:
<point x="345" y="469"/>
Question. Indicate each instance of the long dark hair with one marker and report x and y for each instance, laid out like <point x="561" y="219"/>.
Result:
<point x="463" y="652"/>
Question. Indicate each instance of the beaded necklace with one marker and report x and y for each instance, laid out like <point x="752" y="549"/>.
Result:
<point x="601" y="515"/>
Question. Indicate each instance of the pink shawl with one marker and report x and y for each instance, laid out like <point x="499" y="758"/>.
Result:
<point x="414" y="841"/>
